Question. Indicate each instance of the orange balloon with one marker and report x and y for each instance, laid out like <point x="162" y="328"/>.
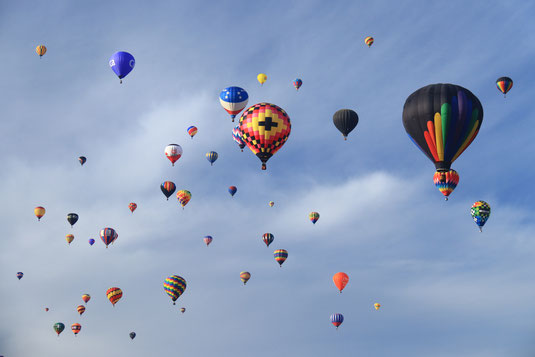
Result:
<point x="340" y="280"/>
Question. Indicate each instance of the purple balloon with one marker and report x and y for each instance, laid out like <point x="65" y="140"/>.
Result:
<point x="122" y="63"/>
<point x="91" y="241"/>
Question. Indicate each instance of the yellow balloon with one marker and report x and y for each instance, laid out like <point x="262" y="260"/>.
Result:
<point x="41" y="50"/>
<point x="39" y="212"/>
<point x="261" y="78"/>
<point x="377" y="306"/>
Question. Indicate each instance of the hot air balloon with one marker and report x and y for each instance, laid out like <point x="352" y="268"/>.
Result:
<point x="297" y="83"/>
<point x="76" y="328"/>
<point x="337" y="319"/>
<point x="236" y="135"/>
<point x="122" y="63"/>
<point x="480" y="212"/>
<point x="183" y="197"/>
<point x="39" y="212"/>
<point x="192" y="130"/>
<point x="314" y="216"/>
<point x="377" y="306"/>
<point x="233" y="100"/>
<point x="80" y="309"/>
<point x="268" y="238"/>
<point x="86" y="298"/>
<point x="82" y="160"/>
<point x="40" y="50"/>
<point x="265" y="128"/>
<point x="114" y="295"/>
<point x="262" y="78"/>
<point x="108" y="235"/>
<point x="91" y="241"/>
<point x="368" y="41"/>
<point x="20" y="275"/>
<point x="132" y="335"/>
<point x="46" y="309"/>
<point x="340" y="280"/>
<point x="168" y="188"/>
<point x="182" y="309"/>
<point x="208" y="240"/>
<point x="59" y="327"/>
<point x="69" y="238"/>
<point x="232" y="190"/>
<point x="132" y="206"/>
<point x="173" y="152"/>
<point x="174" y="286"/>
<point x="271" y="203"/>
<point x="72" y="218"/>
<point x="345" y="120"/>
<point x="442" y="120"/>
<point x="446" y="182"/>
<point x="280" y="256"/>
<point x="504" y="84"/>
<point x="245" y="276"/>
<point x="211" y="157"/>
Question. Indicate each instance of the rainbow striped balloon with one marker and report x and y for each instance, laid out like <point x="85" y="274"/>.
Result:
<point x="280" y="256"/>
<point x="446" y="181"/>
<point x="174" y="286"/>
<point x="192" y="130"/>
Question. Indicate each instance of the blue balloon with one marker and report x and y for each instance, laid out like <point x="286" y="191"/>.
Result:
<point x="122" y="63"/>
<point x="91" y="241"/>
<point x="233" y="100"/>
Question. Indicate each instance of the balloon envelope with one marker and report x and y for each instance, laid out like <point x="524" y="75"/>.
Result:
<point x="174" y="286"/>
<point x="297" y="83"/>
<point x="132" y="206"/>
<point x="480" y="212"/>
<point x="59" y="327"/>
<point x="280" y="256"/>
<point x="236" y="135"/>
<point x="211" y="157"/>
<point x="122" y="63"/>
<point x="268" y="238"/>
<point x="39" y="212"/>
<point x="20" y="275"/>
<point x="345" y="120"/>
<point x="504" y="84"/>
<point x="132" y="335"/>
<point x="314" y="216"/>
<point x="340" y="280"/>
<point x="183" y="197"/>
<point x="86" y="298"/>
<point x="82" y="160"/>
<point x="173" y="152"/>
<point x="207" y="240"/>
<point x="233" y="100"/>
<point x="337" y="319"/>
<point x="72" y="218"/>
<point x="192" y="130"/>
<point x="108" y="235"/>
<point x="114" y="295"/>
<point x="368" y="41"/>
<point x="245" y="276"/>
<point x="168" y="188"/>
<point x="232" y="190"/>
<point x="262" y="78"/>
<point x="40" y="50"/>
<point x="446" y="181"/>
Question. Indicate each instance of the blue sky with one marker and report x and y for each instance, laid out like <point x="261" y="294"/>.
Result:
<point x="445" y="289"/>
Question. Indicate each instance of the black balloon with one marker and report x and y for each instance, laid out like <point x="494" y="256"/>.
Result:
<point x="72" y="218"/>
<point x="345" y="120"/>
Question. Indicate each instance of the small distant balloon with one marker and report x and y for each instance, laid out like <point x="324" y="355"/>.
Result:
<point x="480" y="212"/>
<point x="245" y="276"/>
<point x="268" y="238"/>
<point x="368" y="41"/>
<point x="271" y="203"/>
<point x="337" y="319"/>
<point x="39" y="212"/>
<point x="232" y="190"/>
<point x="173" y="152"/>
<point x="132" y="206"/>
<point x="59" y="327"/>
<point x="122" y="63"/>
<point x="297" y="83"/>
<point x="168" y="188"/>
<point x="82" y="160"/>
<point x="108" y="235"/>
<point x="80" y="309"/>
<point x="114" y="295"/>
<point x="91" y="241"/>
<point x="132" y="335"/>
<point x="183" y="196"/>
<point x="174" y="286"/>
<point x="208" y="240"/>
<point x="86" y="298"/>
<point x="46" y="309"/>
<point x="40" y="50"/>
<point x="280" y="256"/>
<point x="262" y="78"/>
<point x="20" y="275"/>
<point x="72" y="218"/>
<point x="340" y="280"/>
<point x="182" y="309"/>
<point x="211" y="157"/>
<point x="76" y="328"/>
<point x="192" y="130"/>
<point x="69" y="238"/>
<point x="377" y="306"/>
<point x="504" y="84"/>
<point x="314" y="216"/>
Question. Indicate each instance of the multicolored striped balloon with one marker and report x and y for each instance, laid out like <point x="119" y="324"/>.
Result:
<point x="504" y="84"/>
<point x="446" y="182"/>
<point x="268" y="238"/>
<point x="108" y="235"/>
<point x="192" y="130"/>
<point x="297" y="83"/>
<point x="69" y="238"/>
<point x="183" y="197"/>
<point x="211" y="157"/>
<point x="76" y="328"/>
<point x="168" y="188"/>
<point x="271" y="203"/>
<point x="80" y="309"/>
<point x="377" y="306"/>
<point x="40" y="50"/>
<point x="174" y="286"/>
<point x="480" y="212"/>
<point x="232" y="190"/>
<point x="20" y="275"/>
<point x="132" y="206"/>
<point x="245" y="276"/>
<point x="337" y="319"/>
<point x="86" y="298"/>
<point x="208" y="240"/>
<point x="314" y="216"/>
<point x="368" y="41"/>
<point x="182" y="309"/>
<point x="280" y="256"/>
<point x="114" y="295"/>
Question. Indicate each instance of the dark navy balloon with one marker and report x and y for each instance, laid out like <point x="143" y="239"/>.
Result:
<point x="122" y="63"/>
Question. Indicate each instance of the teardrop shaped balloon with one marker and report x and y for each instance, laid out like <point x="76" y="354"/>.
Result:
<point x="314" y="216"/>
<point x="91" y="241"/>
<point x="46" y="309"/>
<point x="340" y="280"/>
<point x="236" y="135"/>
<point x="280" y="256"/>
<point x="122" y="63"/>
<point x="86" y="298"/>
<point x="72" y="218"/>
<point x="114" y="295"/>
<point x="80" y="309"/>
<point x="208" y="240"/>
<point x="233" y="100"/>
<point x="377" y="306"/>
<point x="174" y="286"/>
<point x="69" y="238"/>
<point x="297" y="83"/>
<point x="446" y="182"/>
<point x="211" y="157"/>
<point x="182" y="309"/>
<point x="168" y="188"/>
<point x="183" y="197"/>
<point x="39" y="212"/>
<point x="192" y="130"/>
<point x="480" y="212"/>
<point x="40" y="50"/>
<point x="268" y="238"/>
<point x="108" y="235"/>
<point x="271" y="203"/>
<point x="337" y="319"/>
<point x="368" y="41"/>
<point x="76" y="328"/>
<point x="173" y="152"/>
<point x="59" y="327"/>
<point x="232" y="190"/>
<point x="245" y="276"/>
<point x="504" y="84"/>
<point x="132" y="206"/>
<point x="345" y="120"/>
<point x="442" y="120"/>
<point x="82" y="160"/>
<point x="20" y="275"/>
<point x="262" y="78"/>
<point x="265" y="128"/>
<point x="132" y="335"/>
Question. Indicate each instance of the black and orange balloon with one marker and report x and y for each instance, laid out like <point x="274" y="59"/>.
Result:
<point x="265" y="128"/>
<point x="442" y="120"/>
